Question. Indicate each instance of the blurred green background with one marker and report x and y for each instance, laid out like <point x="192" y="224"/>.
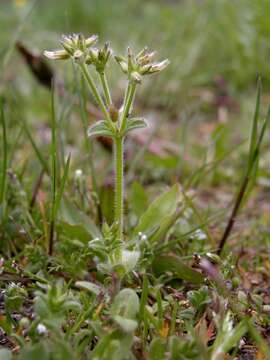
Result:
<point x="216" y="49"/>
<point x="203" y="39"/>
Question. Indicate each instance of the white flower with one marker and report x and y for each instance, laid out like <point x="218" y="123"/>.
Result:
<point x="75" y="46"/>
<point x="200" y="235"/>
<point x="141" y="64"/>
<point x="56" y="54"/>
<point x="41" y="329"/>
<point x="78" y="173"/>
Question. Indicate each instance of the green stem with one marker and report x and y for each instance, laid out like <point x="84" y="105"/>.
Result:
<point x="129" y="98"/>
<point x="119" y="160"/>
<point x="119" y="183"/>
<point x="95" y="92"/>
<point x="106" y="90"/>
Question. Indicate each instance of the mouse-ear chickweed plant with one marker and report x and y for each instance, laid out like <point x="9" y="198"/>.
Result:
<point x="116" y="123"/>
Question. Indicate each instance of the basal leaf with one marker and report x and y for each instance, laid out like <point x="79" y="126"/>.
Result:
<point x="87" y="285"/>
<point x="173" y="264"/>
<point x="128" y="325"/>
<point x="115" y="346"/>
<point x="158" y="349"/>
<point x="162" y="207"/>
<point x="125" y="308"/>
<point x="77" y="224"/>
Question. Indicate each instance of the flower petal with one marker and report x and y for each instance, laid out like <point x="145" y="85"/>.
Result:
<point x="56" y="54"/>
<point x="91" y="40"/>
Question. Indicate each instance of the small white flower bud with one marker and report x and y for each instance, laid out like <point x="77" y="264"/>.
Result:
<point x="159" y="66"/>
<point x="144" y="237"/>
<point x="78" y="173"/>
<point x="41" y="329"/>
<point x="137" y="66"/>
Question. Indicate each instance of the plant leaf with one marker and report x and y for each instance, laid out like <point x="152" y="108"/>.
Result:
<point x="115" y="346"/>
<point x="87" y="285"/>
<point x="135" y="123"/>
<point x="139" y="199"/>
<point x="163" y="207"/>
<point x="157" y="349"/>
<point x="5" y="354"/>
<point x="77" y="224"/>
<point x="125" y="308"/>
<point x="254" y="129"/>
<point x="173" y="264"/>
<point x="128" y="325"/>
<point x="100" y="128"/>
<point x="228" y="336"/>
<point x="164" y="227"/>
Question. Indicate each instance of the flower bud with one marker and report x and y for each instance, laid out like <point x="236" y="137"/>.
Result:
<point x="113" y="111"/>
<point x="122" y="62"/>
<point x="77" y="54"/>
<point x="99" y="57"/>
<point x="93" y="54"/>
<point x="56" y="55"/>
<point x="143" y="60"/>
<point x="145" y="69"/>
<point x="75" y="46"/>
<point x="91" y="40"/>
<point x="141" y="64"/>
<point x="157" y="67"/>
<point x="136" y="77"/>
<point x="67" y="43"/>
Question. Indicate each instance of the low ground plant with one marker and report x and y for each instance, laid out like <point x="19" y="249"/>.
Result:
<point x="95" y="275"/>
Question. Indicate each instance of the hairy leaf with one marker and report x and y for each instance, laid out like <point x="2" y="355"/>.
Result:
<point x="100" y="128"/>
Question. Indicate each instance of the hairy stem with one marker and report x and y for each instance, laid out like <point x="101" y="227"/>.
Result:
<point x="95" y="92"/>
<point x="106" y="90"/>
<point x="119" y="183"/>
<point x="129" y="98"/>
<point x="119" y="159"/>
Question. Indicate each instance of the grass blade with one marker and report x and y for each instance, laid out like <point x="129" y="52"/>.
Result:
<point x="260" y="342"/>
<point x="53" y="174"/>
<point x="253" y="162"/>
<point x="254" y="129"/>
<point x="62" y="186"/>
<point x="144" y="296"/>
<point x="4" y="160"/>
<point x="35" y="147"/>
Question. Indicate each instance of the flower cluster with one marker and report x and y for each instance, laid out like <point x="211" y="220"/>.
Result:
<point x="75" y="46"/>
<point x="78" y="47"/>
<point x="99" y="57"/>
<point x="136" y="66"/>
